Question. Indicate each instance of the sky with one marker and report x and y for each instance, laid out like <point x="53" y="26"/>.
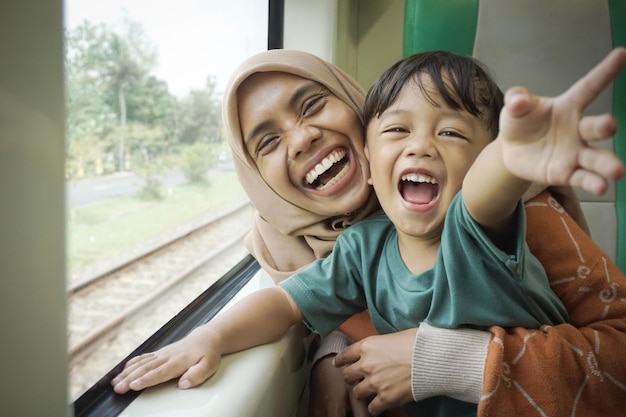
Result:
<point x="194" y="38"/>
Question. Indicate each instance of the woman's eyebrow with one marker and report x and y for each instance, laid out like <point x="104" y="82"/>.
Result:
<point x="293" y="102"/>
<point x="300" y="92"/>
<point x="257" y="129"/>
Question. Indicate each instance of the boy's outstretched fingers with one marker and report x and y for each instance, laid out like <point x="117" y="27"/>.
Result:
<point x="598" y="165"/>
<point x="585" y="90"/>
<point x="548" y="139"/>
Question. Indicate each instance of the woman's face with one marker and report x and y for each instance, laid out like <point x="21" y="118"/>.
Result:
<point x="306" y="143"/>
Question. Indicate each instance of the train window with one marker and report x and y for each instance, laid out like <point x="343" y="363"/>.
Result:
<point x="155" y="214"/>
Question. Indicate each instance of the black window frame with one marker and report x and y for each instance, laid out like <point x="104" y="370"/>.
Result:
<point x="101" y="401"/>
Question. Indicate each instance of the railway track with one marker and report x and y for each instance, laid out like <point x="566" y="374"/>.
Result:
<point x="101" y="302"/>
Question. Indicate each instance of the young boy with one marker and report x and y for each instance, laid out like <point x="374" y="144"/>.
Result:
<point x="453" y="195"/>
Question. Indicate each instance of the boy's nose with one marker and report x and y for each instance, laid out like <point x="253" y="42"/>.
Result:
<point x="421" y="146"/>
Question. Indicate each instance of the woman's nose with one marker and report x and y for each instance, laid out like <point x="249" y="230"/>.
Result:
<point x="301" y="138"/>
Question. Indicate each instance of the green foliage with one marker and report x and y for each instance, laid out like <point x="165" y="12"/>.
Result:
<point x="115" y="104"/>
<point x="149" y="157"/>
<point x="149" y="102"/>
<point x="87" y="158"/>
<point x="199" y="116"/>
<point x="89" y="116"/>
<point x="196" y="159"/>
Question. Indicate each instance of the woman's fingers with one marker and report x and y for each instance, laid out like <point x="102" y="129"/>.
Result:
<point x="358" y="406"/>
<point x="348" y="355"/>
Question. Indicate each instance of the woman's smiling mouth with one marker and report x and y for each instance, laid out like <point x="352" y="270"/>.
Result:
<point x="329" y="171"/>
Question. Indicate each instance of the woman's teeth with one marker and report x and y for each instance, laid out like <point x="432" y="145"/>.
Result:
<point x="334" y="180"/>
<point x="323" y="167"/>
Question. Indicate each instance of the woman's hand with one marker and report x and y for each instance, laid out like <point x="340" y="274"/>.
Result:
<point x="194" y="358"/>
<point x="330" y="396"/>
<point x="380" y="366"/>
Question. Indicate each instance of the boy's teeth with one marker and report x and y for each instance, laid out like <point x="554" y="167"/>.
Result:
<point x="418" y="178"/>
<point x="323" y="166"/>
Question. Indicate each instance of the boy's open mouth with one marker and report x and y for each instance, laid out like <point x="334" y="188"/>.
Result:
<point x="328" y="172"/>
<point x="418" y="188"/>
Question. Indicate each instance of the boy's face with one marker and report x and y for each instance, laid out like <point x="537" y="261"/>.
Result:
<point x="419" y="154"/>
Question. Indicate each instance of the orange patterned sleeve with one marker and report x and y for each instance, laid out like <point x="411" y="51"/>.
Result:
<point x="575" y="369"/>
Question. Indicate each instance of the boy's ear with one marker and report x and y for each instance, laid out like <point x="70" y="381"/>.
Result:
<point x="367" y="155"/>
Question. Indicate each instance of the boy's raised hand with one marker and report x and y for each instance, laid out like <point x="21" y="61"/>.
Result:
<point x="546" y="139"/>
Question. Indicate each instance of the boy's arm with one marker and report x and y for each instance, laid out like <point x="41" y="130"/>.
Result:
<point x="261" y="317"/>
<point x="491" y="193"/>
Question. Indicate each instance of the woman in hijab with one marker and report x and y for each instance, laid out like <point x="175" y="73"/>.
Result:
<point x="294" y="123"/>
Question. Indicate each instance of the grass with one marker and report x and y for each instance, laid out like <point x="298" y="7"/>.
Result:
<point x="101" y="231"/>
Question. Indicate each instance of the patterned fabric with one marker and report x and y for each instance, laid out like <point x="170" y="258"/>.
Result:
<point x="572" y="369"/>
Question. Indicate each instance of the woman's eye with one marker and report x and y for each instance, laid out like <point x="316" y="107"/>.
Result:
<point x="266" y="144"/>
<point x="311" y="105"/>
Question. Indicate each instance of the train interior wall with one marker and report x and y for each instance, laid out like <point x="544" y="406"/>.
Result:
<point x="32" y="248"/>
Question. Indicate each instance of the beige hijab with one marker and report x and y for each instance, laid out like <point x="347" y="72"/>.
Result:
<point x="284" y="236"/>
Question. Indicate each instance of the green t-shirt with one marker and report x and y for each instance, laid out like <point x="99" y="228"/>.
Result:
<point x="472" y="284"/>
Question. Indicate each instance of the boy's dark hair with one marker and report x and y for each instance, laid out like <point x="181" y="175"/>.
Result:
<point x="467" y="85"/>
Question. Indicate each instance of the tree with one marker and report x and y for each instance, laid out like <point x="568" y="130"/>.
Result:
<point x="103" y="66"/>
<point x="199" y="116"/>
<point x="118" y="112"/>
<point x="127" y="60"/>
<point x="89" y="116"/>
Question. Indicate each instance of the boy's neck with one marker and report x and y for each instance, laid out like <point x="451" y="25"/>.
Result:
<point x="418" y="254"/>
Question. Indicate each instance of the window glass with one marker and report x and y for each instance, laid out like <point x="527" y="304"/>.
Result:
<point x="154" y="210"/>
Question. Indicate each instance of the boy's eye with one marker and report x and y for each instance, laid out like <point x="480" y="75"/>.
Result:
<point x="396" y="129"/>
<point x="452" y="133"/>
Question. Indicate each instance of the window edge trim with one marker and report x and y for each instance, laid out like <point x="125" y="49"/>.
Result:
<point x="100" y="400"/>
